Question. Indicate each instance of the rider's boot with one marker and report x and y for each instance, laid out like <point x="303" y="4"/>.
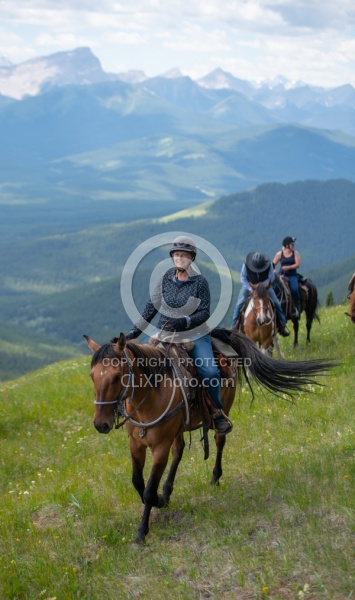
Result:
<point x="221" y="424"/>
<point x="281" y="327"/>
<point x="296" y="310"/>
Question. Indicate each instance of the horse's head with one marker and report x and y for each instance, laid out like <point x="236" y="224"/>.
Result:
<point x="109" y="365"/>
<point x="261" y="305"/>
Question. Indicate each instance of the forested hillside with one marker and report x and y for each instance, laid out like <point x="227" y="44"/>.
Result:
<point x="58" y="287"/>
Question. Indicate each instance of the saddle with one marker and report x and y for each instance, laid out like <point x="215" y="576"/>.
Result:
<point x="223" y="352"/>
<point x="283" y="292"/>
<point x="186" y="370"/>
<point x="302" y="287"/>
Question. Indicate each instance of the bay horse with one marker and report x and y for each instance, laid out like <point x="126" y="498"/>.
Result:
<point x="259" y="320"/>
<point x="308" y="303"/>
<point x="136" y="382"/>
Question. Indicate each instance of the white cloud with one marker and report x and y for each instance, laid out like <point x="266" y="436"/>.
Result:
<point x="301" y="39"/>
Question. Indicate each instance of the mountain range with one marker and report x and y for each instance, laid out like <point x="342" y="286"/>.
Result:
<point x="81" y="67"/>
<point x="93" y="163"/>
<point x="73" y="133"/>
<point x="218" y="92"/>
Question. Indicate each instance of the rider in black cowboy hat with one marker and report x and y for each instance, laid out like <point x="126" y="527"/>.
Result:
<point x="258" y="269"/>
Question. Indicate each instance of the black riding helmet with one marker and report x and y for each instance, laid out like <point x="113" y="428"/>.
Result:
<point x="288" y="240"/>
<point x="185" y="244"/>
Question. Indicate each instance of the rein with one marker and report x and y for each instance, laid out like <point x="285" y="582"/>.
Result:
<point x="166" y="415"/>
<point x="120" y="408"/>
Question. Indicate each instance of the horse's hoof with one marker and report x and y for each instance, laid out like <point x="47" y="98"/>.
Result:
<point x="161" y="501"/>
<point x="139" y="541"/>
<point x="214" y="482"/>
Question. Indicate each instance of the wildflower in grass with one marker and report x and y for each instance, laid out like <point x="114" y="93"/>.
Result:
<point x="301" y="593"/>
<point x="265" y="589"/>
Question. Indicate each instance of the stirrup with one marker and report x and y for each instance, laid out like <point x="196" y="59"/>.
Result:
<point x="221" y="424"/>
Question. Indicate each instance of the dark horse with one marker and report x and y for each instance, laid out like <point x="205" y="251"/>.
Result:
<point x="136" y="383"/>
<point x="308" y="303"/>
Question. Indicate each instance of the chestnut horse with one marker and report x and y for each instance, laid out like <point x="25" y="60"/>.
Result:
<point x="259" y="322"/>
<point x="308" y="303"/>
<point x="138" y="383"/>
<point x="351" y="314"/>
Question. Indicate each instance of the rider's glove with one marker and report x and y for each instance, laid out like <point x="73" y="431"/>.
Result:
<point x="133" y="334"/>
<point x="176" y="324"/>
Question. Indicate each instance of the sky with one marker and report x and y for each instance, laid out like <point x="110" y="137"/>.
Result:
<point x="303" y="40"/>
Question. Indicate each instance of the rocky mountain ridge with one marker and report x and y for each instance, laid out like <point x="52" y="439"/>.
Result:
<point x="81" y="67"/>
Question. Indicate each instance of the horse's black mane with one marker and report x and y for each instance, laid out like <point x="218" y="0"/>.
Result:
<point x="105" y="351"/>
<point x="151" y="360"/>
<point x="261" y="291"/>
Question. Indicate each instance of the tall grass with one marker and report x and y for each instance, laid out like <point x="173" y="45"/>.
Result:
<point x="279" y="526"/>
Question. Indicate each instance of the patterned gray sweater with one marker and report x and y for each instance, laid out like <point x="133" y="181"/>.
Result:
<point x="190" y="298"/>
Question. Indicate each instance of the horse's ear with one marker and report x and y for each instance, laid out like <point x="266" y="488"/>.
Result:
<point x="92" y="345"/>
<point x="120" y="344"/>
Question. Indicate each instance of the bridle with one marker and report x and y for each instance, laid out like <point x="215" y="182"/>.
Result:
<point x="120" y="409"/>
<point x="257" y="310"/>
<point x="123" y="393"/>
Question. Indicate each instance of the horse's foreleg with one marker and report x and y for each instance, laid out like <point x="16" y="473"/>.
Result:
<point x="227" y="397"/>
<point x="280" y="354"/>
<point x="296" y="323"/>
<point x="138" y="454"/>
<point x="177" y="451"/>
<point x="217" y="470"/>
<point x="143" y="528"/>
<point x="150" y="494"/>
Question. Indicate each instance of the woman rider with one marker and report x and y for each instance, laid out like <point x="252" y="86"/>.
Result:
<point x="184" y="295"/>
<point x="290" y="261"/>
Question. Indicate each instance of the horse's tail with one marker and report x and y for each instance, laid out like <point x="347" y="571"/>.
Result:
<point x="279" y="377"/>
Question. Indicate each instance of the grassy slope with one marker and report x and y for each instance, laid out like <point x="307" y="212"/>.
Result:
<point x="24" y="349"/>
<point x="279" y="526"/>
